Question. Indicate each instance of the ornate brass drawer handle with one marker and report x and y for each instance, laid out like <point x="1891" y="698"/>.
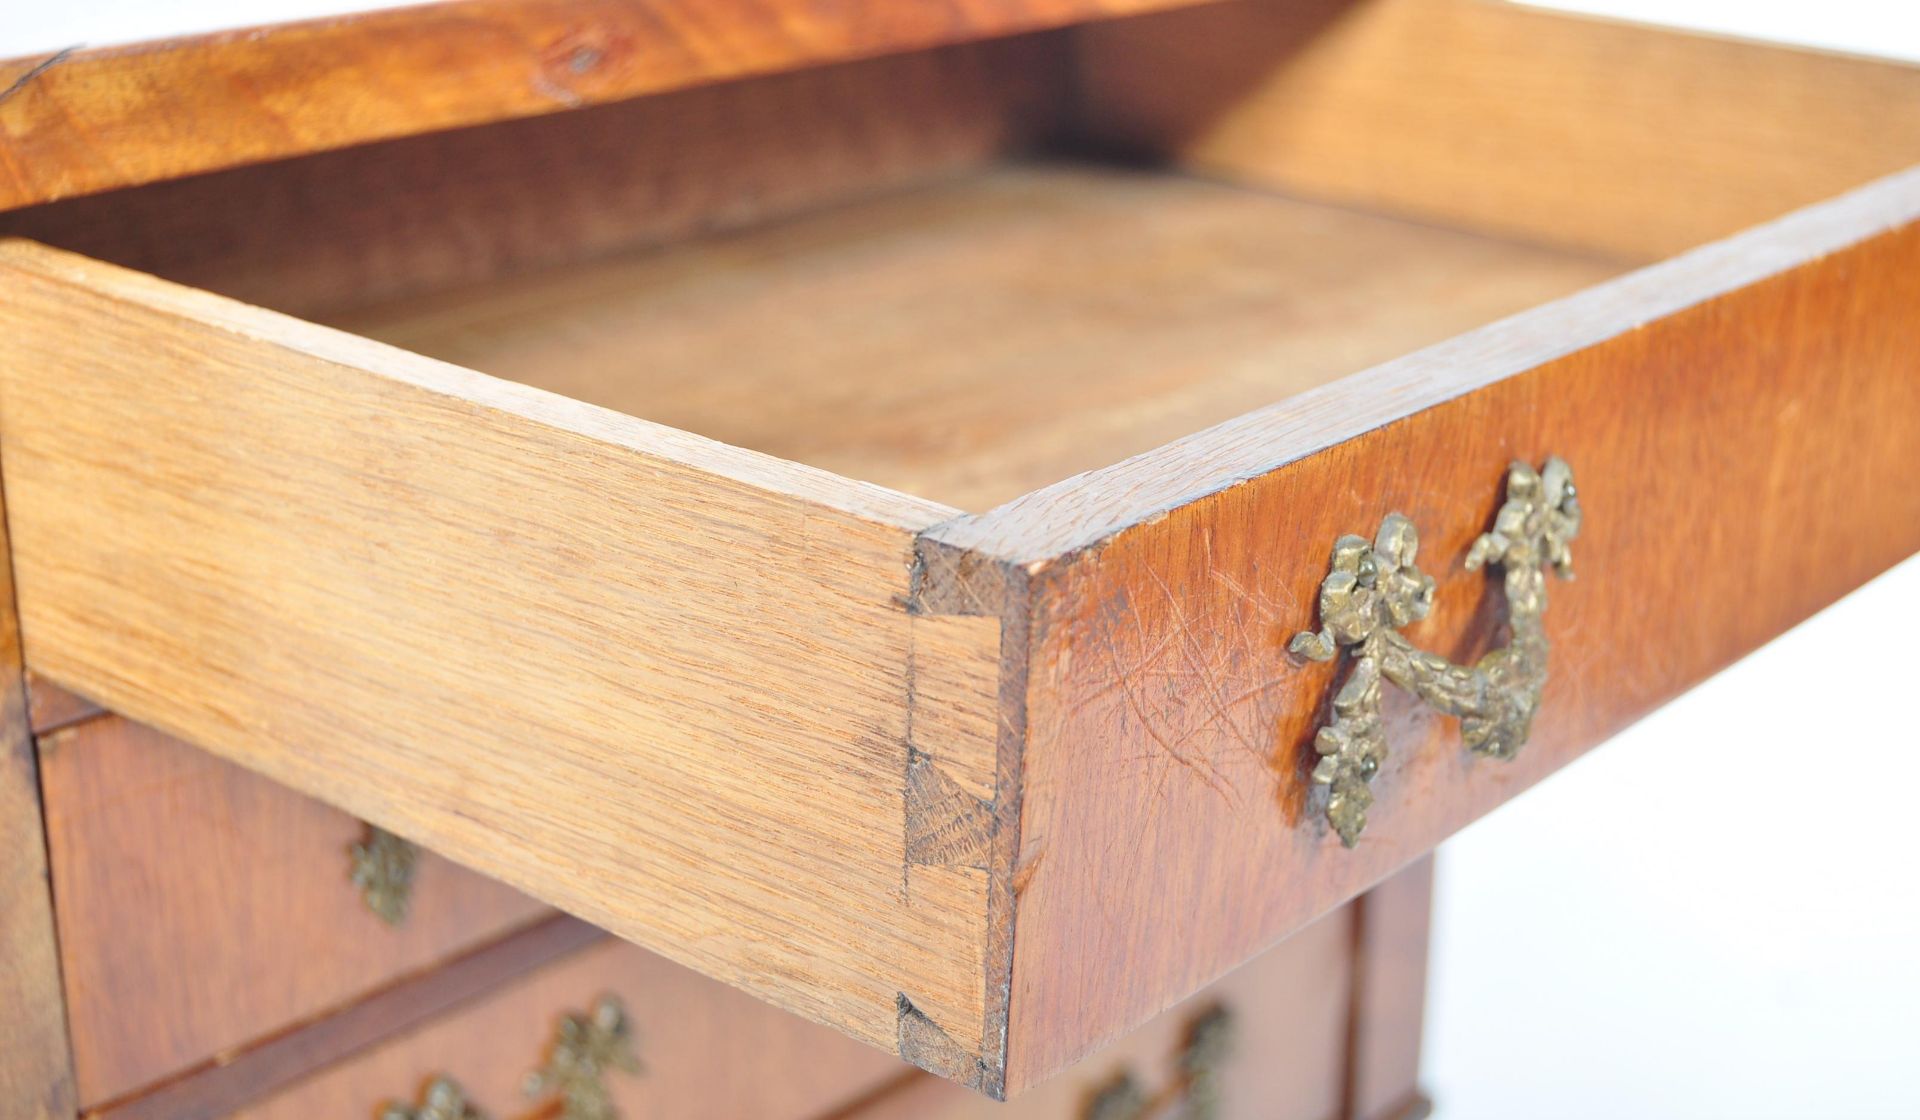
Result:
<point x="383" y="866"/>
<point x="1196" y="1086"/>
<point x="1374" y="589"/>
<point x="585" y="1048"/>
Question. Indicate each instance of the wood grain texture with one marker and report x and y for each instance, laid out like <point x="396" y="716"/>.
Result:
<point x="710" y="1053"/>
<point x="1742" y="435"/>
<point x="50" y="707"/>
<point x="99" y="119"/>
<point x="923" y="776"/>
<point x="934" y="341"/>
<point x="1627" y="139"/>
<point x="1391" y="931"/>
<point x="1290" y="1009"/>
<point x="266" y="1066"/>
<point x="202" y="906"/>
<point x="340" y="230"/>
<point x="658" y="682"/>
<point x="36" y="1069"/>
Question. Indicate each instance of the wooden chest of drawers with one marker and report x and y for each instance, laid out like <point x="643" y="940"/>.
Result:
<point x="909" y="515"/>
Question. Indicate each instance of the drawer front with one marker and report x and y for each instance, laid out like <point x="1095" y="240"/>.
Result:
<point x="1741" y="423"/>
<point x="704" y="1051"/>
<point x="201" y="907"/>
<point x="1280" y="1054"/>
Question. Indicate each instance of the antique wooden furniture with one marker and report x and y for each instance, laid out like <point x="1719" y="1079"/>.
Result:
<point x="840" y="497"/>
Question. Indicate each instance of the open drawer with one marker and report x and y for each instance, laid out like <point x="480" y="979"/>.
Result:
<point x="866" y="566"/>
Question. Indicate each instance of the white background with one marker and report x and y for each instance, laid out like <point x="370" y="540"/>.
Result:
<point x="1861" y="26"/>
<point x="1716" y="915"/>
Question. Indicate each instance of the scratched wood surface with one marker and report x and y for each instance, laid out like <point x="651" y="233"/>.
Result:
<point x="959" y="764"/>
<point x="661" y="683"/>
<point x="1631" y="140"/>
<point x="711" y="1053"/>
<point x="1743" y="423"/>
<point x="1260" y="445"/>
<point x="90" y="120"/>
<point x="932" y="342"/>
<point x="335" y="231"/>
<point x="248" y="921"/>
<point x="36" y="1069"/>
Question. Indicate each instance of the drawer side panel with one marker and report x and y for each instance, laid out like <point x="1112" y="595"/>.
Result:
<point x="658" y="682"/>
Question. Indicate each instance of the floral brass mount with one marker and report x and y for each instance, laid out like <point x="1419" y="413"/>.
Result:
<point x="1375" y="589"/>
<point x="1207" y="1045"/>
<point x="383" y="866"/>
<point x="585" y="1048"/>
<point x="442" y="1099"/>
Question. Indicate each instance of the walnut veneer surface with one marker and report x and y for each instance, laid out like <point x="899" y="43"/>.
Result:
<point x="202" y="906"/>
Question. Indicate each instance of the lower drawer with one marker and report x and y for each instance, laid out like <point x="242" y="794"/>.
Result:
<point x="1270" y="1041"/>
<point x="700" y="1051"/>
<point x="206" y="909"/>
<point x="201" y="907"/>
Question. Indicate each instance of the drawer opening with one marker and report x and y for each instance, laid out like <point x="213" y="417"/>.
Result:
<point x="970" y="272"/>
<point x="979" y="338"/>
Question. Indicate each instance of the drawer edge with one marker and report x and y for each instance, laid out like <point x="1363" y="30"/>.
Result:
<point x="36" y="1065"/>
<point x="1057" y="521"/>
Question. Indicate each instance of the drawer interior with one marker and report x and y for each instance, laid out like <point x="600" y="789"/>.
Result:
<point x="969" y="272"/>
<point x="984" y="336"/>
<point x="923" y="271"/>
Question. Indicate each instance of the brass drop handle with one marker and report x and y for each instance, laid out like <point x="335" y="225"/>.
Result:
<point x="586" y="1046"/>
<point x="1375" y="589"/>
